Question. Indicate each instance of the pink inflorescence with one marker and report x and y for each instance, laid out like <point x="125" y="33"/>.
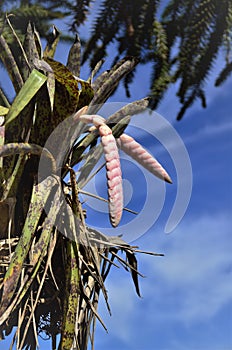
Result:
<point x="113" y="168"/>
<point x="114" y="174"/>
<point x="138" y="153"/>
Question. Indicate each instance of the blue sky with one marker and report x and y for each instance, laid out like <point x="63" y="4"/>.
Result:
<point x="187" y="295"/>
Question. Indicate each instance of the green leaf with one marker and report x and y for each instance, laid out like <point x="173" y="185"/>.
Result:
<point x="26" y="148"/>
<point x="72" y="288"/>
<point x="2" y="141"/>
<point x="52" y="41"/>
<point x="3" y="110"/>
<point x="10" y="64"/>
<point x="51" y="85"/>
<point x="110" y="83"/>
<point x="64" y="77"/>
<point x="54" y="105"/>
<point x="39" y="197"/>
<point x="74" y="57"/>
<point x="71" y="298"/>
<point x="29" y="52"/>
<point x="4" y="99"/>
<point x="28" y="91"/>
<point x="86" y="94"/>
<point x="40" y="249"/>
<point x="94" y="156"/>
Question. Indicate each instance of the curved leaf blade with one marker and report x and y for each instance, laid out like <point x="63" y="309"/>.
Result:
<point x="38" y="200"/>
<point x="3" y="110"/>
<point x="74" y="57"/>
<point x="27" y="92"/>
<point x="71" y="297"/>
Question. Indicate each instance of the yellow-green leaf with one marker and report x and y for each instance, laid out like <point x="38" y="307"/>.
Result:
<point x="2" y="140"/>
<point x="3" y="110"/>
<point x="28" y="91"/>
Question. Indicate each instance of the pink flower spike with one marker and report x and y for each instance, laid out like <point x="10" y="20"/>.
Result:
<point x="138" y="153"/>
<point x="114" y="174"/>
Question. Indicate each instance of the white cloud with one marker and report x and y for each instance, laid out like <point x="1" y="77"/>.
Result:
<point x="209" y="131"/>
<point x="187" y="287"/>
<point x="197" y="268"/>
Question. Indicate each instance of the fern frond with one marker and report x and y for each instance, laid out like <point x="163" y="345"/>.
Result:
<point x="160" y="78"/>
<point x="224" y="74"/>
<point x="80" y="9"/>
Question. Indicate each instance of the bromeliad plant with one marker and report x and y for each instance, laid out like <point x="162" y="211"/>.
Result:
<point x="52" y="265"/>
